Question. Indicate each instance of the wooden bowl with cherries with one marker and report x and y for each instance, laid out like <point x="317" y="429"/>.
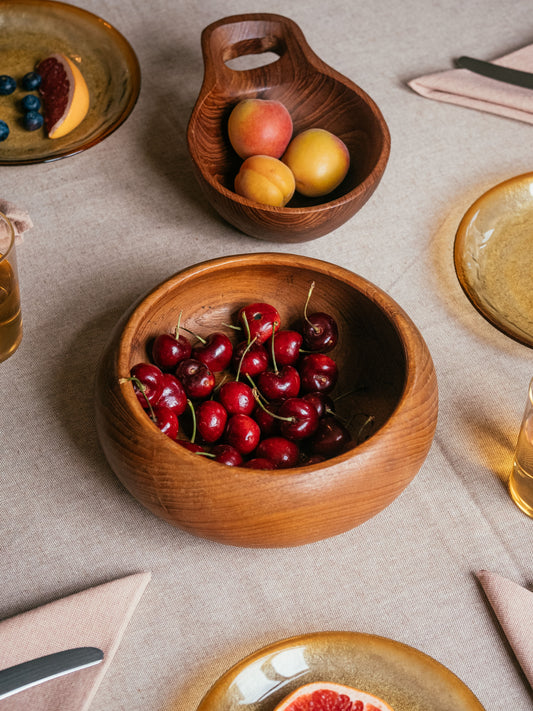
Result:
<point x="314" y="94"/>
<point x="372" y="387"/>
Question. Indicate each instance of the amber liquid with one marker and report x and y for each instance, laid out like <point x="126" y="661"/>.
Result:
<point x="10" y="317"/>
<point x="521" y="480"/>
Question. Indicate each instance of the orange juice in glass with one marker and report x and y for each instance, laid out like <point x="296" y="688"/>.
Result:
<point x="10" y="316"/>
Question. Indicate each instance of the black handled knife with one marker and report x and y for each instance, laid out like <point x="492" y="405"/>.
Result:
<point x="496" y="71"/>
<point x="36" y="671"/>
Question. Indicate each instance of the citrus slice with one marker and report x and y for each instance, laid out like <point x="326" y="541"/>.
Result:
<point x="327" y="696"/>
<point x="64" y="93"/>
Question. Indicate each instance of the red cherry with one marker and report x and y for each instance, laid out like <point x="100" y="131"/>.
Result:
<point x="173" y="394"/>
<point x="266" y="420"/>
<point x="226" y="454"/>
<point x="166" y="420"/>
<point x="211" y="420"/>
<point x="146" y="379"/>
<point x="282" y="452"/>
<point x="259" y="463"/>
<point x="331" y="437"/>
<point x="322" y="403"/>
<point x="303" y="418"/>
<point x="215" y="351"/>
<point x="278" y="385"/>
<point x="286" y="347"/>
<point x="249" y="359"/>
<point x="320" y="332"/>
<point x="168" y="350"/>
<point x="237" y="398"/>
<point x="191" y="446"/>
<point x="196" y="378"/>
<point x="243" y="433"/>
<point x="259" y="320"/>
<point x="318" y="372"/>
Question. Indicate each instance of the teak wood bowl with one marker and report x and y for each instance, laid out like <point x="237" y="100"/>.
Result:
<point x="385" y="370"/>
<point x="315" y="95"/>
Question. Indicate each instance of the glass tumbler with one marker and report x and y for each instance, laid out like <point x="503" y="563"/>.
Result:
<point x="10" y="316"/>
<point x="521" y="478"/>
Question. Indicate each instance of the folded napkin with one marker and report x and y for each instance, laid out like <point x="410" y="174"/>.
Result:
<point x="19" y="218"/>
<point x="96" y="617"/>
<point x="464" y="88"/>
<point x="513" y="606"/>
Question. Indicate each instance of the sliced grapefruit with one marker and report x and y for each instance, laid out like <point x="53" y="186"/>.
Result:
<point x="64" y="93"/>
<point x="327" y="696"/>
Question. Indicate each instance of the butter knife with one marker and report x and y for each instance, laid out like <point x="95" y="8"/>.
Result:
<point x="23" y="676"/>
<point x="496" y="71"/>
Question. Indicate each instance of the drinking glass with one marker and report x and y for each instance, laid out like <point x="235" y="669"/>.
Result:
<point x="10" y="316"/>
<point x="521" y="479"/>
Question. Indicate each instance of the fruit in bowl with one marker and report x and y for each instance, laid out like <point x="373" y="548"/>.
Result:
<point x="319" y="161"/>
<point x="383" y="368"/>
<point x="265" y="180"/>
<point x="259" y="127"/>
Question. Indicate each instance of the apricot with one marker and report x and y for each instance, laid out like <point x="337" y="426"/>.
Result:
<point x="319" y="161"/>
<point x="266" y="180"/>
<point x="259" y="127"/>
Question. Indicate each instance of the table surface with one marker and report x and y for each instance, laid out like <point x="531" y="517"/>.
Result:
<point x="114" y="221"/>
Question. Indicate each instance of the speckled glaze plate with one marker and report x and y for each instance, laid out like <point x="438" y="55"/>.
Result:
<point x="405" y="678"/>
<point x="31" y="30"/>
<point x="493" y="256"/>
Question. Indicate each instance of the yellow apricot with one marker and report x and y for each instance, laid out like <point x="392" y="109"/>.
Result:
<point x="265" y="180"/>
<point x="319" y="161"/>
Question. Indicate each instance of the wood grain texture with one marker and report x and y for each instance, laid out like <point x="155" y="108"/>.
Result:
<point x="316" y="96"/>
<point x="383" y="361"/>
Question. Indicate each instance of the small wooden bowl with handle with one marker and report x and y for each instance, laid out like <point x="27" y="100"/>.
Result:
<point x="385" y="371"/>
<point x="316" y="96"/>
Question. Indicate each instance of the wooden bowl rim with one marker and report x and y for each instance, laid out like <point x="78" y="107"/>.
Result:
<point x="396" y="316"/>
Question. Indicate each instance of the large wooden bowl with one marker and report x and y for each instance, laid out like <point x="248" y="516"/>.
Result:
<point x="383" y="362"/>
<point x="316" y="96"/>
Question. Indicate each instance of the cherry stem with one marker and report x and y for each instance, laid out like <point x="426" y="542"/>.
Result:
<point x="274" y="364"/>
<point x="177" y="331"/>
<point x="191" y="407"/>
<point x="142" y="389"/>
<point x="350" y="392"/>
<point x="315" y="329"/>
<point x="245" y="351"/>
<point x="369" y="420"/>
<point x="199" y="338"/>
<point x="259" y="397"/>
<point x="246" y="326"/>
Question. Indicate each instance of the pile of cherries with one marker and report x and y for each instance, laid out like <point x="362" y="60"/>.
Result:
<point x="263" y="403"/>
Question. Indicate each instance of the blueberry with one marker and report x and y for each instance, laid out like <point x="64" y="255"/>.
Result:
<point x="31" y="103"/>
<point x="32" y="120"/>
<point x="4" y="130"/>
<point x="7" y="85"/>
<point x="31" y="81"/>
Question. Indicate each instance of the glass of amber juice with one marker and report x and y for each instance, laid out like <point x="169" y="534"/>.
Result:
<point x="521" y="479"/>
<point x="10" y="317"/>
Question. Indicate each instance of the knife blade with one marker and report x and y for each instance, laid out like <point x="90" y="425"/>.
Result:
<point x="23" y="676"/>
<point x="496" y="71"/>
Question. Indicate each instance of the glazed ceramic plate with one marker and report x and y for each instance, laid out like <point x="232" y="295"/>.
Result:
<point x="405" y="678"/>
<point x="494" y="256"/>
<point x="30" y="31"/>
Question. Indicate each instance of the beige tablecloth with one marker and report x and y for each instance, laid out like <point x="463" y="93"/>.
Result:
<point x="116" y="220"/>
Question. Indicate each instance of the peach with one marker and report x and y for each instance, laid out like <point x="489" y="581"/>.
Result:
<point x="259" y="127"/>
<point x="266" y="180"/>
<point x="319" y="161"/>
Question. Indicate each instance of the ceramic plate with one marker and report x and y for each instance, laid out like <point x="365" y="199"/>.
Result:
<point x="494" y="256"/>
<point x="405" y="678"/>
<point x="30" y="31"/>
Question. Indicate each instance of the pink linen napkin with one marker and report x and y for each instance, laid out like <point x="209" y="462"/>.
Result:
<point x="513" y="606"/>
<point x="464" y="88"/>
<point x="96" y="617"/>
<point x="19" y="218"/>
